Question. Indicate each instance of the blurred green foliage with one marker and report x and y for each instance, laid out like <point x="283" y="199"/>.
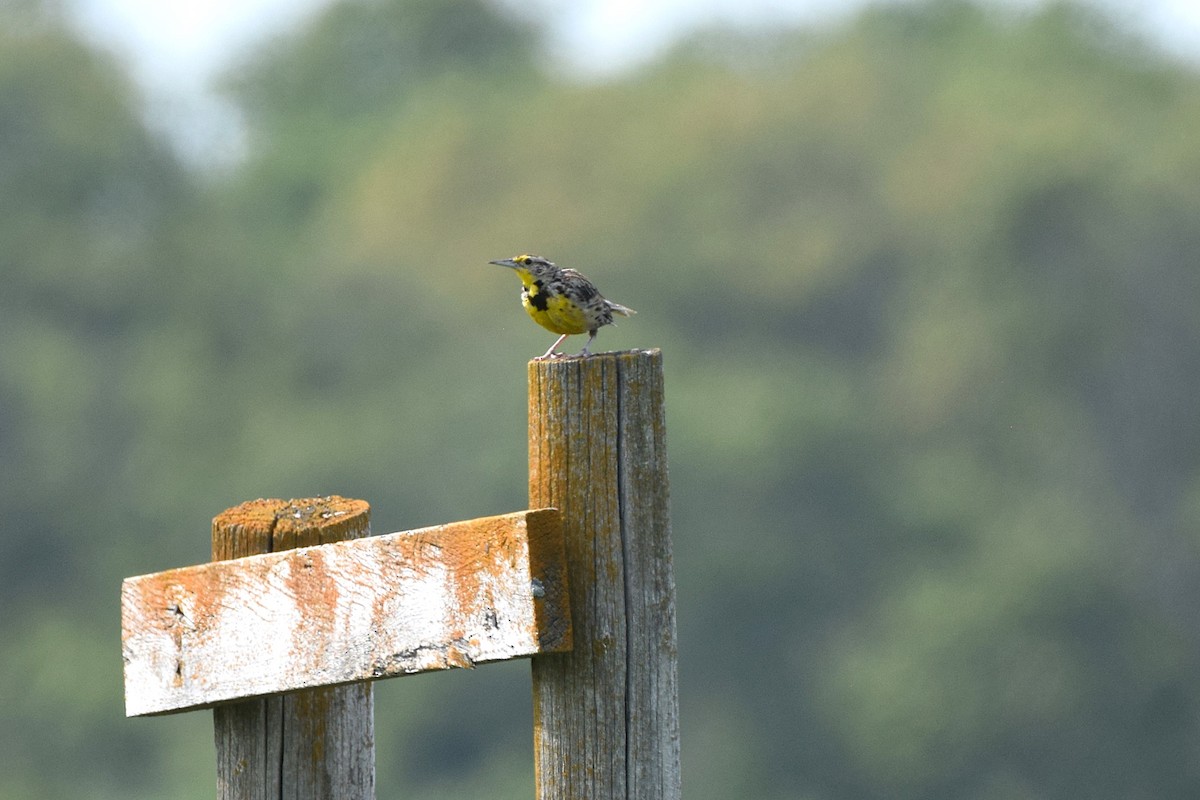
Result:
<point x="926" y="284"/>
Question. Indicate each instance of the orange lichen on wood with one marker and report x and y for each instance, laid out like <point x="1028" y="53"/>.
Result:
<point x="305" y="744"/>
<point x="434" y="598"/>
<point x="271" y="525"/>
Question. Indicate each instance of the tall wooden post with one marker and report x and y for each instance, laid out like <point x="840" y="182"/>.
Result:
<point x="606" y="714"/>
<point x="307" y="745"/>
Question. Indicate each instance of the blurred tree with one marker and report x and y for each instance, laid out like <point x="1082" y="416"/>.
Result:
<point x="362" y="60"/>
<point x="87" y="195"/>
<point x="926" y="284"/>
<point x="313" y="101"/>
<point x="87" y="200"/>
<point x="895" y="262"/>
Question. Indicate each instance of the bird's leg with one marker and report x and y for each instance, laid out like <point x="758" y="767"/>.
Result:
<point x="550" y="353"/>
<point x="585" y="351"/>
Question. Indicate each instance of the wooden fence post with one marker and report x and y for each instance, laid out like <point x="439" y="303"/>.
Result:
<point x="606" y="714"/>
<point x="307" y="745"/>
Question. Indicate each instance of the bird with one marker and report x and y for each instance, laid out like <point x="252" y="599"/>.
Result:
<point x="562" y="300"/>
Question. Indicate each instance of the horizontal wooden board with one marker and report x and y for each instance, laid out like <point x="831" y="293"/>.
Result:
<point x="448" y="596"/>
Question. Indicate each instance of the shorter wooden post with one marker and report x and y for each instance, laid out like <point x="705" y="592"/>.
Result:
<point x="314" y="744"/>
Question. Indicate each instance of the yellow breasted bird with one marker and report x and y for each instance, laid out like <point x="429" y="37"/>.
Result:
<point x="562" y="300"/>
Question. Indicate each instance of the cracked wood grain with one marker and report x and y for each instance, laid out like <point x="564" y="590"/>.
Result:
<point x="448" y="596"/>
<point x="606" y="714"/>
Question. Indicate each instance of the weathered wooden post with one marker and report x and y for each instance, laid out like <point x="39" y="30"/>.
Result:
<point x="606" y="714"/>
<point x="301" y="608"/>
<point x="314" y="744"/>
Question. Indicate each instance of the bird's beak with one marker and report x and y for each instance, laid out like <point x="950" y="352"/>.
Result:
<point x="507" y="262"/>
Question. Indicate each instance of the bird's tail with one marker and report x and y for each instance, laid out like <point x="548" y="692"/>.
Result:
<point x="617" y="308"/>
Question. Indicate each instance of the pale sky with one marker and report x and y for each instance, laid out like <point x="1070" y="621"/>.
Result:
<point x="184" y="41"/>
<point x="175" y="47"/>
